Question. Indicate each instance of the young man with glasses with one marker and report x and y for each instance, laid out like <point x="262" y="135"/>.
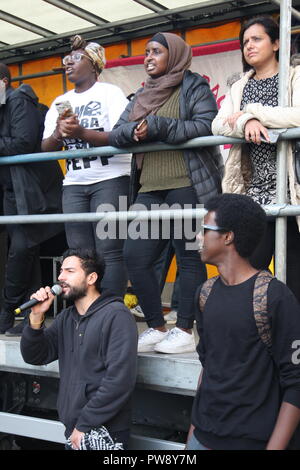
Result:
<point x="80" y="119"/>
<point x="249" y="395"/>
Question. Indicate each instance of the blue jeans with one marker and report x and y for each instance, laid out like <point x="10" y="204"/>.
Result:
<point x="87" y="198"/>
<point x="194" y="444"/>
<point x="141" y="255"/>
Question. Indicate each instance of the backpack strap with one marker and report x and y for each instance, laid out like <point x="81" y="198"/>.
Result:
<point x="260" y="307"/>
<point x="260" y="304"/>
<point x="205" y="291"/>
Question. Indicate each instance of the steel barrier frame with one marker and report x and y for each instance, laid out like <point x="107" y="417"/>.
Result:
<point x="109" y="151"/>
<point x="280" y="210"/>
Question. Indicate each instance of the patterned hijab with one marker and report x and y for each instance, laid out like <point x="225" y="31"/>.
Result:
<point x="157" y="90"/>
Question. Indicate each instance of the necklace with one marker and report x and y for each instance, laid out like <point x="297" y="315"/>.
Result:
<point x="264" y="76"/>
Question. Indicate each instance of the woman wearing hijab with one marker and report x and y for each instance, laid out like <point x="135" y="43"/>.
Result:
<point x="174" y="105"/>
<point x="82" y="118"/>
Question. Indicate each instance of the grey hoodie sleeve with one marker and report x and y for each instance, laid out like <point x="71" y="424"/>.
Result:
<point x="39" y="347"/>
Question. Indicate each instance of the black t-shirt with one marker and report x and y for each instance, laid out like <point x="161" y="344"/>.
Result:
<point x="237" y="404"/>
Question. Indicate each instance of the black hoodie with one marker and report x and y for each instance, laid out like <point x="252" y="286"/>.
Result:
<point x="97" y="355"/>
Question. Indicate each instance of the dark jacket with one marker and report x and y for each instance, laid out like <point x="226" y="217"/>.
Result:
<point x="37" y="186"/>
<point x="197" y="110"/>
<point x="97" y="355"/>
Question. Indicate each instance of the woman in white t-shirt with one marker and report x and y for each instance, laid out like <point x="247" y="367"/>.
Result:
<point x="83" y="120"/>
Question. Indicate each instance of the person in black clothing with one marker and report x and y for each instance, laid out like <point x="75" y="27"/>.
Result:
<point x="247" y="398"/>
<point x="95" y="341"/>
<point x="173" y="106"/>
<point x="31" y="188"/>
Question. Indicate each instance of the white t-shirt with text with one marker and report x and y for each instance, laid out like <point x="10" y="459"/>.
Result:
<point x="98" y="108"/>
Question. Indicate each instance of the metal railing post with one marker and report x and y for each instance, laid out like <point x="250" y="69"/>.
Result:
<point x="282" y="147"/>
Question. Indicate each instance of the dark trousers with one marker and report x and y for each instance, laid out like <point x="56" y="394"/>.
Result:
<point x="162" y="266"/>
<point x="23" y="272"/>
<point x="262" y="256"/>
<point x="141" y="255"/>
<point x="87" y="198"/>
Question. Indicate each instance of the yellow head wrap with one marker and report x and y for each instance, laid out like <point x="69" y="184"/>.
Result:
<point x="97" y="55"/>
<point x="93" y="50"/>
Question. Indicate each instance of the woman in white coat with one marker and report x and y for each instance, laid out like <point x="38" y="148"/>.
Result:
<point x="248" y="111"/>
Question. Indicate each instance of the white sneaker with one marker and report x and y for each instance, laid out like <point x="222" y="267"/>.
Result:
<point x="177" y="341"/>
<point x="149" y="338"/>
<point x="137" y="311"/>
<point x="171" y="317"/>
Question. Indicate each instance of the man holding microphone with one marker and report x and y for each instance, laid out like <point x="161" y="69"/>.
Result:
<point x="95" y="341"/>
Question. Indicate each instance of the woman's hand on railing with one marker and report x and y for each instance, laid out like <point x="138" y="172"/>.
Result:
<point x="254" y="131"/>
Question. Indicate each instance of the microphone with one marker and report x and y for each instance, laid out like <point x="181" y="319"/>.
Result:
<point x="56" y="290"/>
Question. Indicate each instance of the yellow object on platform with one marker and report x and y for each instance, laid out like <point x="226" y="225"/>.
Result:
<point x="211" y="270"/>
<point x="130" y="300"/>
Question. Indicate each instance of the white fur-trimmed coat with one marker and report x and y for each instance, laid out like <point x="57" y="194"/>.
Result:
<point x="237" y="167"/>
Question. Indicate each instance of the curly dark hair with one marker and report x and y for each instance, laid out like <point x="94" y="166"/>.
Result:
<point x="241" y="215"/>
<point x="91" y="262"/>
<point x="271" y="28"/>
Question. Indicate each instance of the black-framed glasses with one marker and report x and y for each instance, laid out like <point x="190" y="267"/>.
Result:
<point x="215" y="228"/>
<point x="76" y="57"/>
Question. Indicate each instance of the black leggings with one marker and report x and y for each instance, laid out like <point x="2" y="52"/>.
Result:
<point x="142" y="253"/>
<point x="23" y="271"/>
<point x="262" y="256"/>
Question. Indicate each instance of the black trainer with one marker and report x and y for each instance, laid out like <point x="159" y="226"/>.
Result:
<point x="7" y="319"/>
<point x="17" y="330"/>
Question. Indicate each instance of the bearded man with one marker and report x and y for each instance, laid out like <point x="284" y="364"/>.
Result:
<point x="95" y="341"/>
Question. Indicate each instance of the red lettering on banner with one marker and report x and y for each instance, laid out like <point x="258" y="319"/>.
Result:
<point x="219" y="101"/>
<point x="215" y="90"/>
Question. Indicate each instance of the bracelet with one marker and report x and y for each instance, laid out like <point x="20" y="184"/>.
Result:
<point x="55" y="138"/>
<point x="36" y="323"/>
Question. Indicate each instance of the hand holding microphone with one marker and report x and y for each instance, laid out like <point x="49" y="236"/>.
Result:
<point x="40" y="296"/>
<point x="40" y="303"/>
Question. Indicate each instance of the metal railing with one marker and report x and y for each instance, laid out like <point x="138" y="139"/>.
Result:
<point x="108" y="151"/>
<point x="280" y="210"/>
